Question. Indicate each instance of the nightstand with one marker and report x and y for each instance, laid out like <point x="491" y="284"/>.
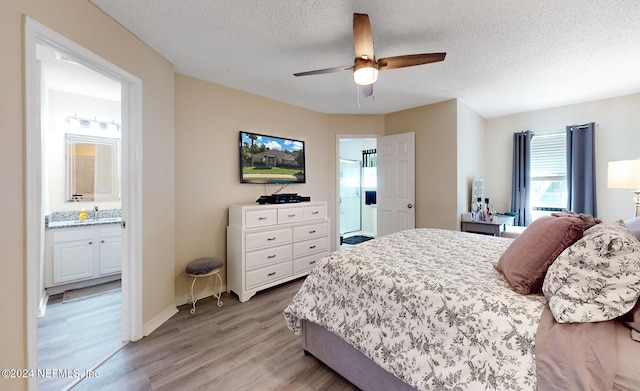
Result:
<point x="487" y="228"/>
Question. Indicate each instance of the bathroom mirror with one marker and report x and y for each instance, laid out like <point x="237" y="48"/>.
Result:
<point x="93" y="168"/>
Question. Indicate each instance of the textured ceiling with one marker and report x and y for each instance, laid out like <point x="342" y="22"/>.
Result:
<point x="503" y="56"/>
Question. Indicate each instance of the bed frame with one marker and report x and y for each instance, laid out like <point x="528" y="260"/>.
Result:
<point x="347" y="361"/>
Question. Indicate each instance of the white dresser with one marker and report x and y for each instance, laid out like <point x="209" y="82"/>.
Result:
<point x="274" y="243"/>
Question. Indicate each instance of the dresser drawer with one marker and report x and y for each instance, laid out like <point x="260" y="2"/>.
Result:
<point x="268" y="256"/>
<point x="305" y="264"/>
<point x="310" y="231"/>
<point x="269" y="273"/>
<point x="260" y="240"/>
<point x="290" y="215"/>
<point x="307" y="247"/>
<point x="260" y="218"/>
<point x="314" y="212"/>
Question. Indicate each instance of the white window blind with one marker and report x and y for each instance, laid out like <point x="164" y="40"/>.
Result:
<point x="549" y="156"/>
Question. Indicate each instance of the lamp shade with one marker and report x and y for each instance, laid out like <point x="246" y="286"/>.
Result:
<point x="624" y="174"/>
<point x="365" y="72"/>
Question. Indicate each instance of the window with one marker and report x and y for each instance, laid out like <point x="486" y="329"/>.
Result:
<point x="548" y="173"/>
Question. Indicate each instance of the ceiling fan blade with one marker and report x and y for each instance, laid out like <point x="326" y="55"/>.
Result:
<point x="409" y="60"/>
<point x="326" y="70"/>
<point x="362" y="37"/>
<point x="367" y="90"/>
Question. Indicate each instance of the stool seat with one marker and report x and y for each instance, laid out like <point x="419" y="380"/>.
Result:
<point x="204" y="267"/>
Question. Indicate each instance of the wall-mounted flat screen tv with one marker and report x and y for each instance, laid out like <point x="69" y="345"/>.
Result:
<point x="271" y="159"/>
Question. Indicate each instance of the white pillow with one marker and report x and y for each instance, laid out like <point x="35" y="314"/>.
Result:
<point x="597" y="278"/>
<point x="634" y="225"/>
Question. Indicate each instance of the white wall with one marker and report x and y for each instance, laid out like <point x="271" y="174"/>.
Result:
<point x="617" y="138"/>
<point x="62" y="105"/>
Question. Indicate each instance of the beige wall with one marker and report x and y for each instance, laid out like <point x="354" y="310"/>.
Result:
<point x="435" y="128"/>
<point x="617" y="138"/>
<point x="470" y="156"/>
<point x="81" y="22"/>
<point x="208" y="118"/>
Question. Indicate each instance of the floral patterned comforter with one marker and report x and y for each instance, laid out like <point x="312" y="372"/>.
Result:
<point x="428" y="306"/>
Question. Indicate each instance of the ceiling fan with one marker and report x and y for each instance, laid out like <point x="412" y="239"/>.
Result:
<point x="365" y="66"/>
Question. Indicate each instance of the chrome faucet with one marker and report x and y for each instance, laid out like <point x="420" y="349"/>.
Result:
<point x="95" y="215"/>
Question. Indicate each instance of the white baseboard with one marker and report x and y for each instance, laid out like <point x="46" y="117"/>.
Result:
<point x="186" y="299"/>
<point x="159" y="320"/>
<point x="42" y="306"/>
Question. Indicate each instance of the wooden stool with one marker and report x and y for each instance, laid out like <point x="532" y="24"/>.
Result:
<point x="205" y="267"/>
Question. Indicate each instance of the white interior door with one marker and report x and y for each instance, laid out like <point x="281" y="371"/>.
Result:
<point x="396" y="183"/>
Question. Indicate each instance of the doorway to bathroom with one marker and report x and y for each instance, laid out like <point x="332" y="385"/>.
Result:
<point x="357" y="189"/>
<point x="40" y="42"/>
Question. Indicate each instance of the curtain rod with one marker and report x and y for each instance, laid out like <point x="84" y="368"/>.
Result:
<point x="583" y="126"/>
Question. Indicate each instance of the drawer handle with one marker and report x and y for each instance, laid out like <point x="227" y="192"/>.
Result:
<point x="90" y="242"/>
<point x="312" y="232"/>
<point x="293" y="215"/>
<point x="271" y="256"/>
<point x="271" y="239"/>
<point x="315" y="212"/>
<point x="271" y="274"/>
<point x="312" y="262"/>
<point x="262" y="218"/>
<point x="312" y="247"/>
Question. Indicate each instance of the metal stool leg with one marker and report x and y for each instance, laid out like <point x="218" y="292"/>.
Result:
<point x="193" y="300"/>
<point x="214" y="274"/>
<point x="219" y="294"/>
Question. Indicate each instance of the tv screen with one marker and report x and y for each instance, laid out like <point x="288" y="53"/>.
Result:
<point x="271" y="159"/>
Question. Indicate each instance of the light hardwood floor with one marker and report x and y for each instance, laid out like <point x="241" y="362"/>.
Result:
<point x="239" y="346"/>
<point x="77" y="336"/>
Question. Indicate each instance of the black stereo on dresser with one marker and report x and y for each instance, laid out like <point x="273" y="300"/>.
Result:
<point x="284" y="198"/>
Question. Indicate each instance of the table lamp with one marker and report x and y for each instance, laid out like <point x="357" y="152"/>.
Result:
<point x="625" y="174"/>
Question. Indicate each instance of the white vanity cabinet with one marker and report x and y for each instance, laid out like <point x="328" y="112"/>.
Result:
<point x="274" y="243"/>
<point x="110" y="259"/>
<point x="72" y="255"/>
<point x="82" y="253"/>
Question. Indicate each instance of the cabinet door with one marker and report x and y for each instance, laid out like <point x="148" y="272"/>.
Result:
<point x="110" y="255"/>
<point x="72" y="261"/>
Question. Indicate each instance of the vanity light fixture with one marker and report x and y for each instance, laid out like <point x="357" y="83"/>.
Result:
<point x="625" y="174"/>
<point x="87" y="123"/>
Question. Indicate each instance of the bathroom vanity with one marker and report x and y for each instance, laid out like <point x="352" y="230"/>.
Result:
<point x="82" y="254"/>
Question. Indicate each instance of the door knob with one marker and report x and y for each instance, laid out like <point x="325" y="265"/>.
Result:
<point x="409" y="206"/>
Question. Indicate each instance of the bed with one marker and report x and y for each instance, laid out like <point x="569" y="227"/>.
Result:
<point x="422" y="309"/>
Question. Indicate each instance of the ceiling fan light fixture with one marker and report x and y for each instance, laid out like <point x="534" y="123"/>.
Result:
<point x="365" y="72"/>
